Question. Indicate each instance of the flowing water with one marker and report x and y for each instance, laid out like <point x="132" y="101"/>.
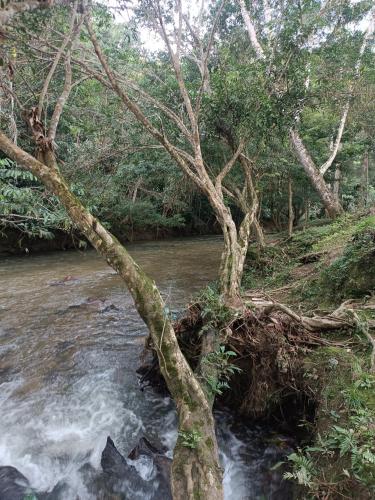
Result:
<point x="70" y="343"/>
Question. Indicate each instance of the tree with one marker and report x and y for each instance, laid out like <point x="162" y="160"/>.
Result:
<point x="188" y="154"/>
<point x="314" y="173"/>
<point x="196" y="471"/>
<point x="10" y="8"/>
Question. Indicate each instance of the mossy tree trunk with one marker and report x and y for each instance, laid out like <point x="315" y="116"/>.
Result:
<point x="196" y="471"/>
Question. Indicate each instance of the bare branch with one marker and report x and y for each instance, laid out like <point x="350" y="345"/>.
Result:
<point x="61" y="100"/>
<point x="176" y="63"/>
<point x="228" y="166"/>
<point x="67" y="40"/>
<point x="179" y="156"/>
<point x="205" y="85"/>
<point x="323" y="169"/>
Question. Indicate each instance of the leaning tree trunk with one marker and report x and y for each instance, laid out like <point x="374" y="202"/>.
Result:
<point x="196" y="472"/>
<point x="331" y="204"/>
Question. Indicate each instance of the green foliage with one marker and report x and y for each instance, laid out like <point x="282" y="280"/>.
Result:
<point x="190" y="438"/>
<point x="26" y="206"/>
<point x="345" y="425"/>
<point x="214" y="312"/>
<point x="219" y="363"/>
<point x="267" y="267"/>
<point x="353" y="274"/>
<point x="303" y="469"/>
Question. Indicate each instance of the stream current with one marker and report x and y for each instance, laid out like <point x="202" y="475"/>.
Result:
<point x="70" y="344"/>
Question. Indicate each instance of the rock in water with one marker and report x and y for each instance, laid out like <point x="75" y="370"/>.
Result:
<point x="14" y="485"/>
<point x="144" y="447"/>
<point x="117" y="469"/>
<point x="113" y="463"/>
<point x="161" y="462"/>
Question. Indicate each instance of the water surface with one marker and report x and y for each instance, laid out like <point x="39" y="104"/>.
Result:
<point x="68" y="355"/>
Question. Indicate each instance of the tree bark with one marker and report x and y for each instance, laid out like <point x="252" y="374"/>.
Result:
<point x="336" y="183"/>
<point x="233" y="258"/>
<point x="364" y="181"/>
<point x="290" y="207"/>
<point x="196" y="472"/>
<point x="329" y="201"/>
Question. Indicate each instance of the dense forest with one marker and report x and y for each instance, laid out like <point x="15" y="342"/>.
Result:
<point x="253" y="121"/>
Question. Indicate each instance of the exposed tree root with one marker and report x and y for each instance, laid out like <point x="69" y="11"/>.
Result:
<point x="343" y="317"/>
<point x="270" y="340"/>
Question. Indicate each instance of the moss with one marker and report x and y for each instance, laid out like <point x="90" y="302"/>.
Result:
<point x="209" y="443"/>
<point x="353" y="273"/>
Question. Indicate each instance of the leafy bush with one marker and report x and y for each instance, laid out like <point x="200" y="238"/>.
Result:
<point x="222" y="367"/>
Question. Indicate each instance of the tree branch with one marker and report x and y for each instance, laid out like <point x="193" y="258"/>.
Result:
<point x="251" y="31"/>
<point x="228" y="166"/>
<point x="67" y="40"/>
<point x="61" y="100"/>
<point x="139" y="115"/>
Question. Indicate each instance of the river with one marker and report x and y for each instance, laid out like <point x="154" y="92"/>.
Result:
<point x="68" y="357"/>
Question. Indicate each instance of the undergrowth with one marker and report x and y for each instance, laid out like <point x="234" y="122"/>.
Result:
<point x="341" y="460"/>
<point x="316" y="269"/>
<point x="321" y="266"/>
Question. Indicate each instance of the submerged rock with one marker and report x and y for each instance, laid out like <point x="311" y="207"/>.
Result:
<point x="92" y="304"/>
<point x="113" y="463"/>
<point x="161" y="462"/>
<point x="64" y="281"/>
<point x="14" y="485"/>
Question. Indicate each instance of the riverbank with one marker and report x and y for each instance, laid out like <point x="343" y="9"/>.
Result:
<point x="15" y="243"/>
<point x="313" y="385"/>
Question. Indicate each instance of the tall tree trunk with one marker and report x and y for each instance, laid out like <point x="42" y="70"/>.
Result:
<point x="290" y="208"/>
<point x="259" y="233"/>
<point x="236" y="242"/>
<point x="196" y="472"/>
<point x="336" y="183"/>
<point x="364" y="180"/>
<point x="230" y="273"/>
<point x="329" y="201"/>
